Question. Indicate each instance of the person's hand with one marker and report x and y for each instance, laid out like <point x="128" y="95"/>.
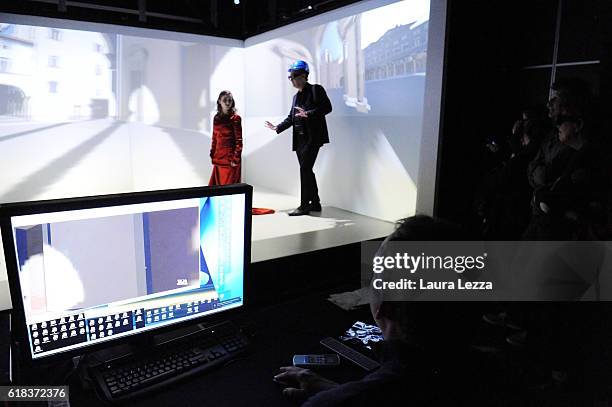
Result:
<point x="270" y="126"/>
<point x="301" y="112"/>
<point x="525" y="140"/>
<point x="517" y="126"/>
<point x="544" y="207"/>
<point x="233" y="164"/>
<point x="302" y="383"/>
<point x="494" y="148"/>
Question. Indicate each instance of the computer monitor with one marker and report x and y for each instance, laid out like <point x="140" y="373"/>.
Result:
<point x="88" y="272"/>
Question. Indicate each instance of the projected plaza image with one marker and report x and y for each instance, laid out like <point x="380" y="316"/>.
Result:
<point x="165" y="262"/>
<point x="101" y="111"/>
<point x="91" y="113"/>
<point x="372" y="65"/>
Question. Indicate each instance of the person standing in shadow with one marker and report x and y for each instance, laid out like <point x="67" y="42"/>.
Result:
<point x="307" y="117"/>
<point x="226" y="148"/>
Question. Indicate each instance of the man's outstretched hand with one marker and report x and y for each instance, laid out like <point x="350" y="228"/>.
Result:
<point x="270" y="126"/>
<point x="300" y="112"/>
<point x="302" y="383"/>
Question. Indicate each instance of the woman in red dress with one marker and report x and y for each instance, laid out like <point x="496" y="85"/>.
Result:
<point x="226" y="148"/>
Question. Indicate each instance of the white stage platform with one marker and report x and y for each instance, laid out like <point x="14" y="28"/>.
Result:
<point x="280" y="235"/>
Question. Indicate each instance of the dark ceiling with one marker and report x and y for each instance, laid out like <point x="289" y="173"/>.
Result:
<point x="223" y="18"/>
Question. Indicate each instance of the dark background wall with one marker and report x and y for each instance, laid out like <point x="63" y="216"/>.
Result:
<point x="500" y="59"/>
<point x="221" y="18"/>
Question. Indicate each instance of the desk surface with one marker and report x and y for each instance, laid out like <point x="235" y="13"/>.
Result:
<point x="281" y="331"/>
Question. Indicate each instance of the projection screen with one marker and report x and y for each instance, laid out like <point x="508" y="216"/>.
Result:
<point x="88" y="108"/>
<point x="372" y="59"/>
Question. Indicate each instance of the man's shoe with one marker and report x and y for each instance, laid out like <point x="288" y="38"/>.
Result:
<point x="302" y="210"/>
<point x="315" y="207"/>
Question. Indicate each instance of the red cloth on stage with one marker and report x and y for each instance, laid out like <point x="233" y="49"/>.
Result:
<point x="226" y="149"/>
<point x="262" y="211"/>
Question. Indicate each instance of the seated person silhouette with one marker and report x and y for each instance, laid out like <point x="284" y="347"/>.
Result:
<point x="424" y="352"/>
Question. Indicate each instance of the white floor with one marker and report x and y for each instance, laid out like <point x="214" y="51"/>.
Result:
<point x="280" y="235"/>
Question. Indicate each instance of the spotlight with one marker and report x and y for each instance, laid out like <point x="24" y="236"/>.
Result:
<point x="306" y="9"/>
<point x="236" y="2"/>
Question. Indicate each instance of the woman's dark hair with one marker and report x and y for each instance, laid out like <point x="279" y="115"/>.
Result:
<point x="232" y="108"/>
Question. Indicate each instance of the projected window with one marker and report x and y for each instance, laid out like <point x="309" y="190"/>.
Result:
<point x="55" y="34"/>
<point x="4" y="64"/>
<point x="53" y="61"/>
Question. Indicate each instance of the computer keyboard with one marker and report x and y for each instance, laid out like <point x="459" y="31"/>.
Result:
<point x="129" y="377"/>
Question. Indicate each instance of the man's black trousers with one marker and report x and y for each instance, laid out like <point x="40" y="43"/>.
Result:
<point x="309" y="192"/>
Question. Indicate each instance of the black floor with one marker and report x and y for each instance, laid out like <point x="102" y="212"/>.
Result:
<point x="575" y="338"/>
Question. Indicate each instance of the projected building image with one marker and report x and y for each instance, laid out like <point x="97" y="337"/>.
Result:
<point x="372" y="65"/>
<point x="135" y="111"/>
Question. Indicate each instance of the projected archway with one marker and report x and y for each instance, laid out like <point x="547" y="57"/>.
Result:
<point x="13" y="101"/>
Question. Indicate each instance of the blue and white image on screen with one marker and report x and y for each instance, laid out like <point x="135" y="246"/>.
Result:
<point x="153" y="265"/>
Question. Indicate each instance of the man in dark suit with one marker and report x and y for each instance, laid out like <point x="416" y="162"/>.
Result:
<point x="307" y="117"/>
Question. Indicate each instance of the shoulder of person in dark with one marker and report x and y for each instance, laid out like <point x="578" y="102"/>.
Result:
<point x="427" y="228"/>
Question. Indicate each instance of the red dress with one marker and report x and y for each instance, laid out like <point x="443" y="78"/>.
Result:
<point x="226" y="149"/>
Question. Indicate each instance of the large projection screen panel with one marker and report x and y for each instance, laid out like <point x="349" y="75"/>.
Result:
<point x="373" y="60"/>
<point x="89" y="109"/>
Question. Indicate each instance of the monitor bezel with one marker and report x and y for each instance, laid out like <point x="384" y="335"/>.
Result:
<point x="19" y="327"/>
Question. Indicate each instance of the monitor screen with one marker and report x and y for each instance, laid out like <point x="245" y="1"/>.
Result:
<point x="93" y="275"/>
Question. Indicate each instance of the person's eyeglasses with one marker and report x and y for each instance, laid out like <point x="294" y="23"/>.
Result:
<point x="292" y="77"/>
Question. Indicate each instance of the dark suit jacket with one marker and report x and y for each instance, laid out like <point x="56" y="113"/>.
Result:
<point x="317" y="104"/>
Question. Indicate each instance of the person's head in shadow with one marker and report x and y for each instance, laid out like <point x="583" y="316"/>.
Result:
<point x="440" y="327"/>
<point x="571" y="130"/>
<point x="420" y="343"/>
<point x="569" y="95"/>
